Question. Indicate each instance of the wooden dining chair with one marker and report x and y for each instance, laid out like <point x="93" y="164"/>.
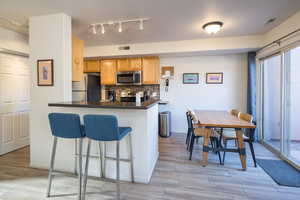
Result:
<point x="196" y="132"/>
<point x="231" y="135"/>
<point x="229" y="131"/>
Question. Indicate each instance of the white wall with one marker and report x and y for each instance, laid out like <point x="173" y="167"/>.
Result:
<point x="13" y="41"/>
<point x="50" y="38"/>
<point x="231" y="94"/>
<point x="211" y="44"/>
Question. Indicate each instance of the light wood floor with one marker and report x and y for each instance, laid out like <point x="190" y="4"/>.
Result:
<point x="175" y="178"/>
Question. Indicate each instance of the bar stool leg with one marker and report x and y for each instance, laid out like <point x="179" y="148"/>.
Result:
<point x="104" y="161"/>
<point x="86" y="169"/>
<point x="131" y="156"/>
<point x="80" y="169"/>
<point x="100" y="159"/>
<point x="51" y="166"/>
<point x="118" y="170"/>
<point x="76" y="158"/>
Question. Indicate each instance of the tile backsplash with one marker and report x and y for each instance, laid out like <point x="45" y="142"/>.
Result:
<point x="133" y="88"/>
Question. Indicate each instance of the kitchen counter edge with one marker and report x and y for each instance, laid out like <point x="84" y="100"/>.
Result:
<point x="111" y="105"/>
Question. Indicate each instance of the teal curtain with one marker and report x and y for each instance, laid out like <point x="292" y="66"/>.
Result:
<point x="251" y="89"/>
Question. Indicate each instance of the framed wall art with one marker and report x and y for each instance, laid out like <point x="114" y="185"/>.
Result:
<point x="190" y="78"/>
<point x="45" y="72"/>
<point x="214" y="78"/>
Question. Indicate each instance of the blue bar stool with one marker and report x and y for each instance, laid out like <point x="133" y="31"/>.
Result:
<point x="68" y="126"/>
<point x="104" y="128"/>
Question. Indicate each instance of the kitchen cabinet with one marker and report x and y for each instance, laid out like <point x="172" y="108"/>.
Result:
<point x="108" y="72"/>
<point x="135" y="64"/>
<point x="77" y="59"/>
<point x="123" y="65"/>
<point x="91" y="66"/>
<point x="150" y="68"/>
<point x="129" y="64"/>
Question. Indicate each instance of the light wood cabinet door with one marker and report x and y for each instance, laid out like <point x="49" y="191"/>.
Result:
<point x="77" y="59"/>
<point x="150" y="70"/>
<point x="123" y="65"/>
<point x="135" y="64"/>
<point x="108" y="72"/>
<point x="91" y="66"/>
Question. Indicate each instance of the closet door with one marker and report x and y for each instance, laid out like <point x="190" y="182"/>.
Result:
<point x="14" y="102"/>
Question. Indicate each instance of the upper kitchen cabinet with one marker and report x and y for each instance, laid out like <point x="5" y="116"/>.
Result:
<point x="123" y="65"/>
<point x="135" y="64"/>
<point x="129" y="64"/>
<point x="108" y="72"/>
<point x="150" y="69"/>
<point x="77" y="59"/>
<point x="91" y="66"/>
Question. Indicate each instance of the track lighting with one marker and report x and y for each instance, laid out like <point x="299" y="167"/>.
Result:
<point x="141" y="24"/>
<point x="102" y="29"/>
<point x="94" y="30"/>
<point x="119" y="23"/>
<point x="120" y="27"/>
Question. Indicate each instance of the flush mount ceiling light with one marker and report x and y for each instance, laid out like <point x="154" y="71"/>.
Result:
<point x="213" y="27"/>
<point x="120" y="23"/>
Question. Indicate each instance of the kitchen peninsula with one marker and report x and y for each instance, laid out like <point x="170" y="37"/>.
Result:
<point x="142" y="118"/>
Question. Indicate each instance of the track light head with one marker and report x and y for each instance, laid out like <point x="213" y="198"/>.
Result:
<point x="141" y="24"/>
<point x="102" y="29"/>
<point x="94" y="29"/>
<point x="120" y="27"/>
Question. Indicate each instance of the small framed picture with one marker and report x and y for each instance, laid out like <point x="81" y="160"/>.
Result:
<point x="45" y="72"/>
<point x="190" y="78"/>
<point x="214" y="78"/>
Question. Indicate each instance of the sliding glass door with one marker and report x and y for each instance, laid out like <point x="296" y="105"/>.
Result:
<point x="272" y="101"/>
<point x="291" y="140"/>
<point x="280" y="111"/>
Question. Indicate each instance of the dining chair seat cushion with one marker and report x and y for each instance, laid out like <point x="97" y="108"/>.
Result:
<point x="123" y="131"/>
<point x="66" y="125"/>
<point x="231" y="135"/>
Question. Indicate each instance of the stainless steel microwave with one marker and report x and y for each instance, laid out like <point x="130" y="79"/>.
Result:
<point x="129" y="78"/>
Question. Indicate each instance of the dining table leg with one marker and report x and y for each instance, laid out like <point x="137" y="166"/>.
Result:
<point x="241" y="147"/>
<point x="207" y="133"/>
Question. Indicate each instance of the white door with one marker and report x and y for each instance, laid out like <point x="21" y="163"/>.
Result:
<point x="14" y="102"/>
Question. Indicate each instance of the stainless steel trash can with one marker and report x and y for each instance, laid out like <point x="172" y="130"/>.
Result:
<point x="165" y="124"/>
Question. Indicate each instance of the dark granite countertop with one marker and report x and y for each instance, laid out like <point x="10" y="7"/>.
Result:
<point x="112" y="105"/>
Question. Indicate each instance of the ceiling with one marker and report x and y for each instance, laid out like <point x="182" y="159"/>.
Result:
<point x="170" y="20"/>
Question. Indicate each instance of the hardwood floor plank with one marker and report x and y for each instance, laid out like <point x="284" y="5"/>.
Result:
<point x="175" y="178"/>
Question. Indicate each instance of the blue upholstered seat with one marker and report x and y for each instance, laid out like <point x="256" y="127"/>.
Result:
<point x="66" y="125"/>
<point x="104" y="128"/>
<point x="123" y="131"/>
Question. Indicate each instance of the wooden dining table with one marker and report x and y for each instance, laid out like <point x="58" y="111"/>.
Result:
<point x="210" y="119"/>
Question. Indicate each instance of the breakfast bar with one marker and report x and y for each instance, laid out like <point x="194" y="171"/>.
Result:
<point x="142" y="118"/>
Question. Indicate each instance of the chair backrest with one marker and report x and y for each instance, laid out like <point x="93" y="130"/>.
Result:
<point x="194" y="116"/>
<point x="65" y="125"/>
<point x="188" y="118"/>
<point x="246" y="117"/>
<point x="101" y="127"/>
<point x="234" y="112"/>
